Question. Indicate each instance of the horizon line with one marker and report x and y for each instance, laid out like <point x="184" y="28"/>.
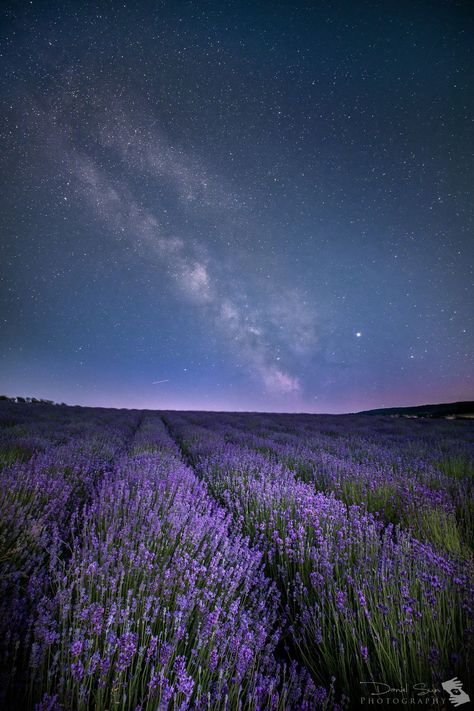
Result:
<point x="46" y="401"/>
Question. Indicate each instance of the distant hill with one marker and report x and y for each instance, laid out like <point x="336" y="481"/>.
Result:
<point x="446" y="409"/>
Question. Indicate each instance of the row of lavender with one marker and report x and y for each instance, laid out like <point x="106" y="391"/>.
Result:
<point x="147" y="598"/>
<point x="415" y="473"/>
<point x="51" y="460"/>
<point x="365" y="599"/>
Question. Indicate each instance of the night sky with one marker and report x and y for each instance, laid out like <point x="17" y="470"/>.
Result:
<point x="237" y="205"/>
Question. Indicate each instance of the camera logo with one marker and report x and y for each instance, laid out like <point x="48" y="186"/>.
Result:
<point x="456" y="694"/>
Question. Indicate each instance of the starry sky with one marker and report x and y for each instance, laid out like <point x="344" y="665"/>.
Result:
<point x="237" y="205"/>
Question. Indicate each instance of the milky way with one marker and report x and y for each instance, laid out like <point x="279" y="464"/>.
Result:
<point x="255" y="206"/>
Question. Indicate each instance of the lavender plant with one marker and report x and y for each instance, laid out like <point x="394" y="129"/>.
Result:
<point x="230" y="561"/>
<point x="161" y="606"/>
<point x="360" y="595"/>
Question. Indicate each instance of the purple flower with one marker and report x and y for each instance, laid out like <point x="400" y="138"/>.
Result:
<point x="127" y="646"/>
<point x="184" y="683"/>
<point x="77" y="670"/>
<point x="76" y="648"/>
<point x="48" y="703"/>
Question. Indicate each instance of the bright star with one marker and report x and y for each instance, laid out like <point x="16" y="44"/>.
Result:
<point x="358" y="334"/>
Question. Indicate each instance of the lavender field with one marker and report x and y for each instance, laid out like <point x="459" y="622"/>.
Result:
<point x="166" y="560"/>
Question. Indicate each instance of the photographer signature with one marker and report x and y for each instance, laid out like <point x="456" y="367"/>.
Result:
<point x="420" y="689"/>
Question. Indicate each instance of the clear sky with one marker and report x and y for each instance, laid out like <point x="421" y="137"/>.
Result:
<point x="237" y="205"/>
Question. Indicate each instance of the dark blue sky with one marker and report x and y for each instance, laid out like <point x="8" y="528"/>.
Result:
<point x="220" y="205"/>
